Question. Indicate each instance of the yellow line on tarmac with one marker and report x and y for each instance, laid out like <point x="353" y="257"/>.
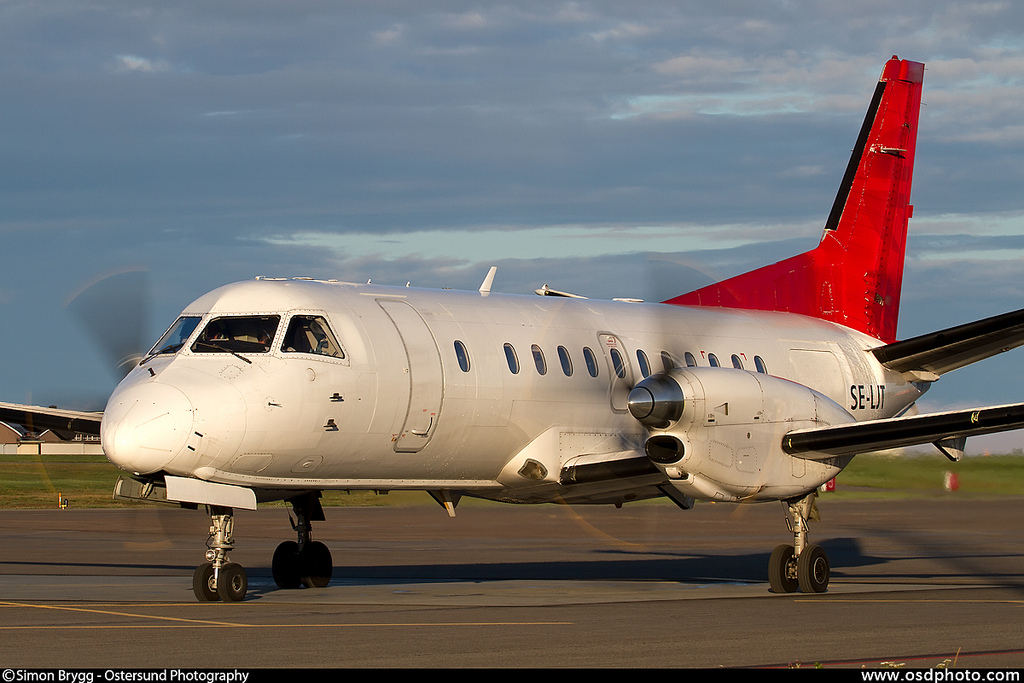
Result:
<point x="209" y="623"/>
<point x="119" y="614"/>
<point x="138" y="627"/>
<point x="838" y="599"/>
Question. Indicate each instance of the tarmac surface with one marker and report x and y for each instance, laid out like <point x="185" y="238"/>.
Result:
<point x="915" y="582"/>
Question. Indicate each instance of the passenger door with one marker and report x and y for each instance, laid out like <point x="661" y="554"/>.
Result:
<point x="426" y="378"/>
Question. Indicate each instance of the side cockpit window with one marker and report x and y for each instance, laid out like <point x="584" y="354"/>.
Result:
<point x="237" y="334"/>
<point x="311" y="334"/>
<point x="176" y="336"/>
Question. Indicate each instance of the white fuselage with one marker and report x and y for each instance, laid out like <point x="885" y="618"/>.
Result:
<point x="423" y="396"/>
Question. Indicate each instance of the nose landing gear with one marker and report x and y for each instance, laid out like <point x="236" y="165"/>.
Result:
<point x="217" y="578"/>
<point x="799" y="565"/>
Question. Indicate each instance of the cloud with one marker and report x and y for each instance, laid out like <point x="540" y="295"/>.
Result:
<point x="133" y="63"/>
<point x="389" y="36"/>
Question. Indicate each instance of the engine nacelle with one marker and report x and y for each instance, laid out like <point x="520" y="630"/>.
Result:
<point x="717" y="432"/>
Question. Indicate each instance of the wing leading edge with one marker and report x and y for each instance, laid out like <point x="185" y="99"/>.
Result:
<point x="948" y="431"/>
<point x="38" y="418"/>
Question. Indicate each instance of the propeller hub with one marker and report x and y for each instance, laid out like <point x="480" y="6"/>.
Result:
<point x="656" y="401"/>
<point x="641" y="403"/>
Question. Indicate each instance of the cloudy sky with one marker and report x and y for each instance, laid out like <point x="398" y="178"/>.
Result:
<point x="606" y="148"/>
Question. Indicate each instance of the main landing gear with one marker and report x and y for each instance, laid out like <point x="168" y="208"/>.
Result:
<point x="303" y="562"/>
<point x="296" y="563"/>
<point x="799" y="565"/>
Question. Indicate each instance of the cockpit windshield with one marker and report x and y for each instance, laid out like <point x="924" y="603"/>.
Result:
<point x="311" y="334"/>
<point x="176" y="336"/>
<point x="237" y="334"/>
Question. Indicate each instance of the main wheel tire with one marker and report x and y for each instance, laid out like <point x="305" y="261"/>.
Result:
<point x="232" y="583"/>
<point x="316" y="564"/>
<point x="813" y="570"/>
<point x="287" y="573"/>
<point x="780" y="570"/>
<point x="203" y="584"/>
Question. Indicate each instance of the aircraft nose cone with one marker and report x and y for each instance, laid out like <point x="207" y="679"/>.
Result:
<point x="146" y="426"/>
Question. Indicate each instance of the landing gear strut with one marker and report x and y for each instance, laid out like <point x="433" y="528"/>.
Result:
<point x="799" y="565"/>
<point x="303" y="562"/>
<point x="217" y="578"/>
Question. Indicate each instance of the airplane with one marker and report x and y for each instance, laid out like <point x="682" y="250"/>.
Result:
<point x="762" y="387"/>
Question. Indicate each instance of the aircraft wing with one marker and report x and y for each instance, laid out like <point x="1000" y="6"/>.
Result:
<point x="947" y="431"/>
<point x="37" y="418"/>
<point x="931" y="355"/>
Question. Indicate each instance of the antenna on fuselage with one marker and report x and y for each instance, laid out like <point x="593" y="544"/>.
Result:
<point x="485" y="286"/>
<point x="547" y="291"/>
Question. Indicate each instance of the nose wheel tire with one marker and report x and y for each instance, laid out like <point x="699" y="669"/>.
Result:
<point x="232" y="583"/>
<point x="203" y="584"/>
<point x="230" y="586"/>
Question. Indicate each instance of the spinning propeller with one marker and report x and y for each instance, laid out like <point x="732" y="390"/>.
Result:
<point x="113" y="311"/>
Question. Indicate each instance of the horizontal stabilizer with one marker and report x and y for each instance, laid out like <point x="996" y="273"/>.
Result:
<point x="875" y="435"/>
<point x="37" y="418"/>
<point x="941" y="352"/>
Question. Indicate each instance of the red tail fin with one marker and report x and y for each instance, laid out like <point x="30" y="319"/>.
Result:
<point x="855" y="274"/>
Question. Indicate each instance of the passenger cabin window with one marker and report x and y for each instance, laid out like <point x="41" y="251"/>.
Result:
<point x="691" y="362"/>
<point x="713" y="360"/>
<point x="176" y="336"/>
<point x="237" y="334"/>
<point x="591" y="360"/>
<point x="618" y="363"/>
<point x="538" y="360"/>
<point x="462" y="354"/>
<point x="311" y="334"/>
<point x="760" y="366"/>
<point x="736" y="362"/>
<point x="513" y="360"/>
<point x="667" y="361"/>
<point x="563" y="357"/>
<point x="641" y="359"/>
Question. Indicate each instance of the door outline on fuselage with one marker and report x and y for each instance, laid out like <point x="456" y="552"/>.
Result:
<point x="619" y="387"/>
<point x="426" y="376"/>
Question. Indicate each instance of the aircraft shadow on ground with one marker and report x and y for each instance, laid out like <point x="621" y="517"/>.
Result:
<point x="848" y="559"/>
<point x="608" y="565"/>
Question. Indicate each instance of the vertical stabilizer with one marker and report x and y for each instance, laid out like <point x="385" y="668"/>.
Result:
<point x="855" y="274"/>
